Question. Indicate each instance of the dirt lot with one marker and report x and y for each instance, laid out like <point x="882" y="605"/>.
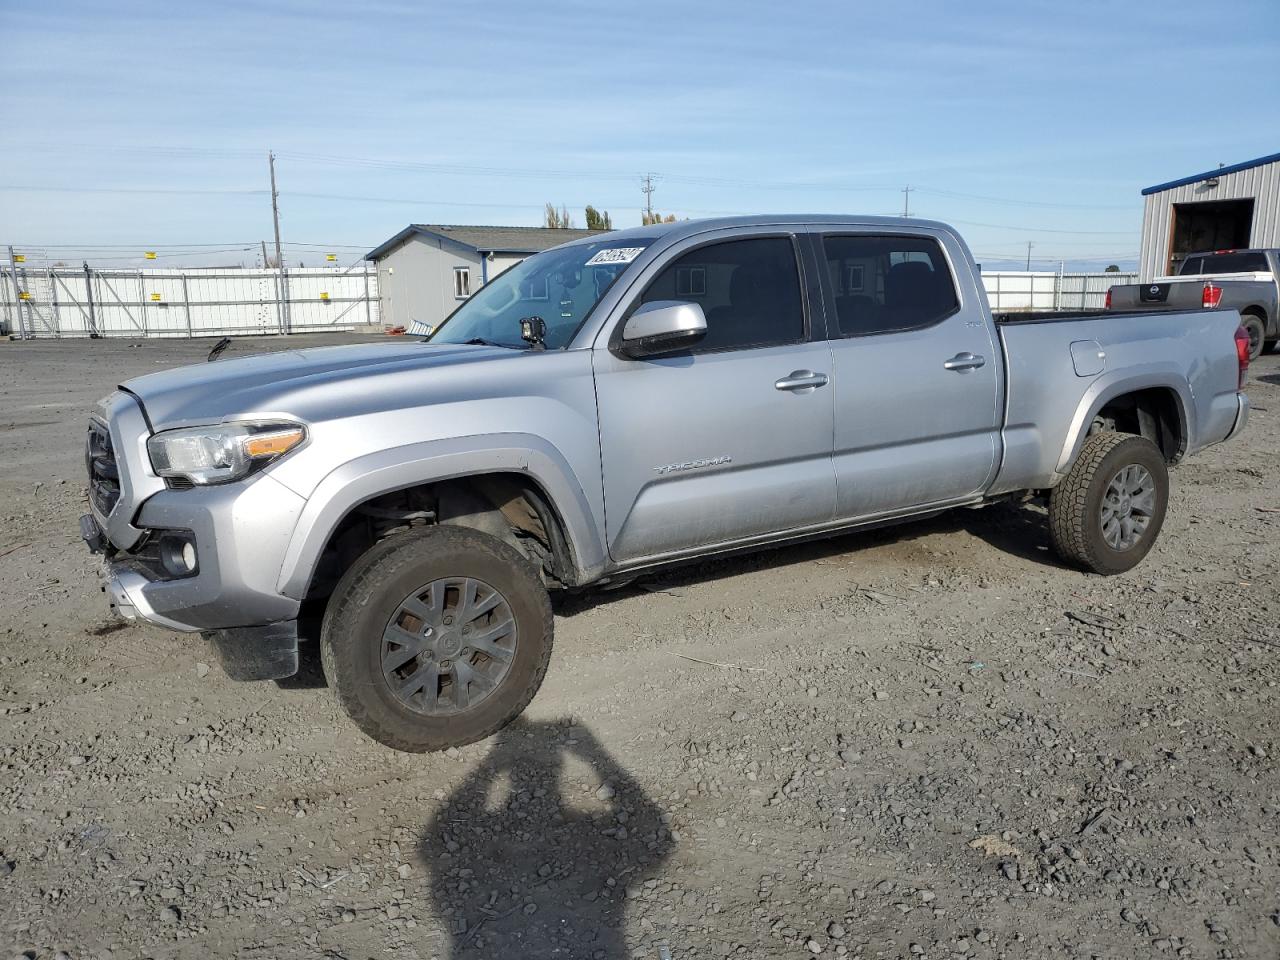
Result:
<point x="929" y="741"/>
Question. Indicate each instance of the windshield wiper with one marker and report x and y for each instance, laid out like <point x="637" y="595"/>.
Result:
<point x="482" y="342"/>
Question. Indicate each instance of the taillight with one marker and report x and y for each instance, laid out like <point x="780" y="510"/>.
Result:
<point x="1108" y="303"/>
<point x="1242" y="355"/>
<point x="1211" y="297"/>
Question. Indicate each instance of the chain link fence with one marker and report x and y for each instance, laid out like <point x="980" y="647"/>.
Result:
<point x="192" y="302"/>
<point x="1013" y="290"/>
<point x="58" y="302"/>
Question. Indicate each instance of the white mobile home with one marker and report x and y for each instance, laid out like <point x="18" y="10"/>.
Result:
<point x="426" y="270"/>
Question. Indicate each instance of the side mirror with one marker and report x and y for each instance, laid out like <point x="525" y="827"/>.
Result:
<point x="663" y="326"/>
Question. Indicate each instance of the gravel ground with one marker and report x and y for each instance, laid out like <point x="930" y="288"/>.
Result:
<point x="929" y="741"/>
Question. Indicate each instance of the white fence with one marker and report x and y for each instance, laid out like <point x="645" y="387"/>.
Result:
<point x="62" y="302"/>
<point x="1010" y="290"/>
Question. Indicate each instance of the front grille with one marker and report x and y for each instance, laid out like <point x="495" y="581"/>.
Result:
<point x="104" y="475"/>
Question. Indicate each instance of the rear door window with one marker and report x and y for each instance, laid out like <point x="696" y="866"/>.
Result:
<point x="884" y="284"/>
<point x="749" y="291"/>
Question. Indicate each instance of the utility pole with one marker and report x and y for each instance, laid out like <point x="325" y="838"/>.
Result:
<point x="647" y="186"/>
<point x="88" y="299"/>
<point x="17" y="295"/>
<point x="1029" y="246"/>
<point x="906" y="196"/>
<point x="282" y="283"/>
<point x="266" y="265"/>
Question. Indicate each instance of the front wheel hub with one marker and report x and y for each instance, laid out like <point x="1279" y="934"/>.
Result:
<point x="448" y="646"/>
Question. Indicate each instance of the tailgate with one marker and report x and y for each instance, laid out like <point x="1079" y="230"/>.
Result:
<point x="1166" y="295"/>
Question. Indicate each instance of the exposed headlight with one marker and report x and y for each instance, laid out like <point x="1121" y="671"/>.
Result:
<point x="222" y="452"/>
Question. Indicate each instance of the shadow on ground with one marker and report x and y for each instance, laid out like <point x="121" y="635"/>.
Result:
<point x="1018" y="529"/>
<point x="531" y="856"/>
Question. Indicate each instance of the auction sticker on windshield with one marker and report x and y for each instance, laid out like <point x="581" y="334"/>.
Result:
<point x="615" y="255"/>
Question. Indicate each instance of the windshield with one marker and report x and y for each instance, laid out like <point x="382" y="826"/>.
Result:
<point x="561" y="286"/>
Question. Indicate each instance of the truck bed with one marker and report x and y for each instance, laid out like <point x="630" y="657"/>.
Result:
<point x="1061" y="367"/>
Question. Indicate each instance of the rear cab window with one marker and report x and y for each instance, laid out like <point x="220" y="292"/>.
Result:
<point x="1225" y="263"/>
<point x="748" y="289"/>
<point x="886" y="284"/>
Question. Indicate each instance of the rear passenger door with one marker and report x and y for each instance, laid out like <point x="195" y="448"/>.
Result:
<point x="731" y="439"/>
<point x="917" y="374"/>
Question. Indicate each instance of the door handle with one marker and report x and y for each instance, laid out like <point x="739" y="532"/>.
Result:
<point x="965" y="361"/>
<point x="801" y="381"/>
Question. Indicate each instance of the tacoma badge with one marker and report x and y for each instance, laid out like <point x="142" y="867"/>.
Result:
<point x="693" y="464"/>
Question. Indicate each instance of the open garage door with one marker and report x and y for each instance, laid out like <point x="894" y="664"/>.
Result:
<point x="1212" y="225"/>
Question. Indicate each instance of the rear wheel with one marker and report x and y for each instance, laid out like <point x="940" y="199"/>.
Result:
<point x="1106" y="514"/>
<point x="437" y="638"/>
<point x="1257" y="334"/>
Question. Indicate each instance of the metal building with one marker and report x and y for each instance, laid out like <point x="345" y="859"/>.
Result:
<point x="1229" y="208"/>
<point x="426" y="270"/>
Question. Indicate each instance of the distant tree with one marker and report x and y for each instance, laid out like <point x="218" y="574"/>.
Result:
<point x="1112" y="269"/>
<point x="557" y="219"/>
<point x="597" y="220"/>
<point x="647" y="218"/>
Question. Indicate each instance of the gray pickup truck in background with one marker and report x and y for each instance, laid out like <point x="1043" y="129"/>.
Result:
<point x="609" y="407"/>
<point x="1247" y="281"/>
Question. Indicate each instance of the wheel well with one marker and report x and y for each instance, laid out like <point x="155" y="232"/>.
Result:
<point x="509" y="506"/>
<point x="1154" y="413"/>
<point x="1256" y="311"/>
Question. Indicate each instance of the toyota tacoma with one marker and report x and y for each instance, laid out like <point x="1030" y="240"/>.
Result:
<point x="609" y="407"/>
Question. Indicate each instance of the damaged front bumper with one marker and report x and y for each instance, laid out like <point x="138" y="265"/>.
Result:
<point x="265" y="652"/>
<point x="238" y="532"/>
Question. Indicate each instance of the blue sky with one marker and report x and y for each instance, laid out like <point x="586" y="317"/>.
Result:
<point x="146" y="126"/>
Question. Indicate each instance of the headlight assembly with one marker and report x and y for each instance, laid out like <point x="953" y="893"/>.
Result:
<point x="222" y="452"/>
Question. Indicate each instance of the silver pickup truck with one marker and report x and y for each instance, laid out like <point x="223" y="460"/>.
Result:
<point x="608" y="407"/>
<point x="1244" y="280"/>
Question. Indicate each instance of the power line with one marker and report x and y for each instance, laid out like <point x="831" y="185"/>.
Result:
<point x="545" y="173"/>
<point x="100" y="258"/>
<point x="189" y="191"/>
<point x="1005" y="226"/>
<point x="181" y="247"/>
<point x="402" y="201"/>
<point x="1021" y="203"/>
<point x="1014" y="257"/>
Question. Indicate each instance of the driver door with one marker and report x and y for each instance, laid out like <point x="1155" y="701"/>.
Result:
<point x="730" y="440"/>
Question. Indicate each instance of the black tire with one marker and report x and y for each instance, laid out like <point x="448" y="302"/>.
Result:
<point x="1257" y="334"/>
<point x="1076" y="505"/>
<point x="374" y="591"/>
<point x="1269" y="346"/>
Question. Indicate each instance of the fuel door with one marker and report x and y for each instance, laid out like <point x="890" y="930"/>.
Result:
<point x="1088" y="357"/>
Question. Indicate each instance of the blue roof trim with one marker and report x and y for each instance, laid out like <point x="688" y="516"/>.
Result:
<point x="1234" y="168"/>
